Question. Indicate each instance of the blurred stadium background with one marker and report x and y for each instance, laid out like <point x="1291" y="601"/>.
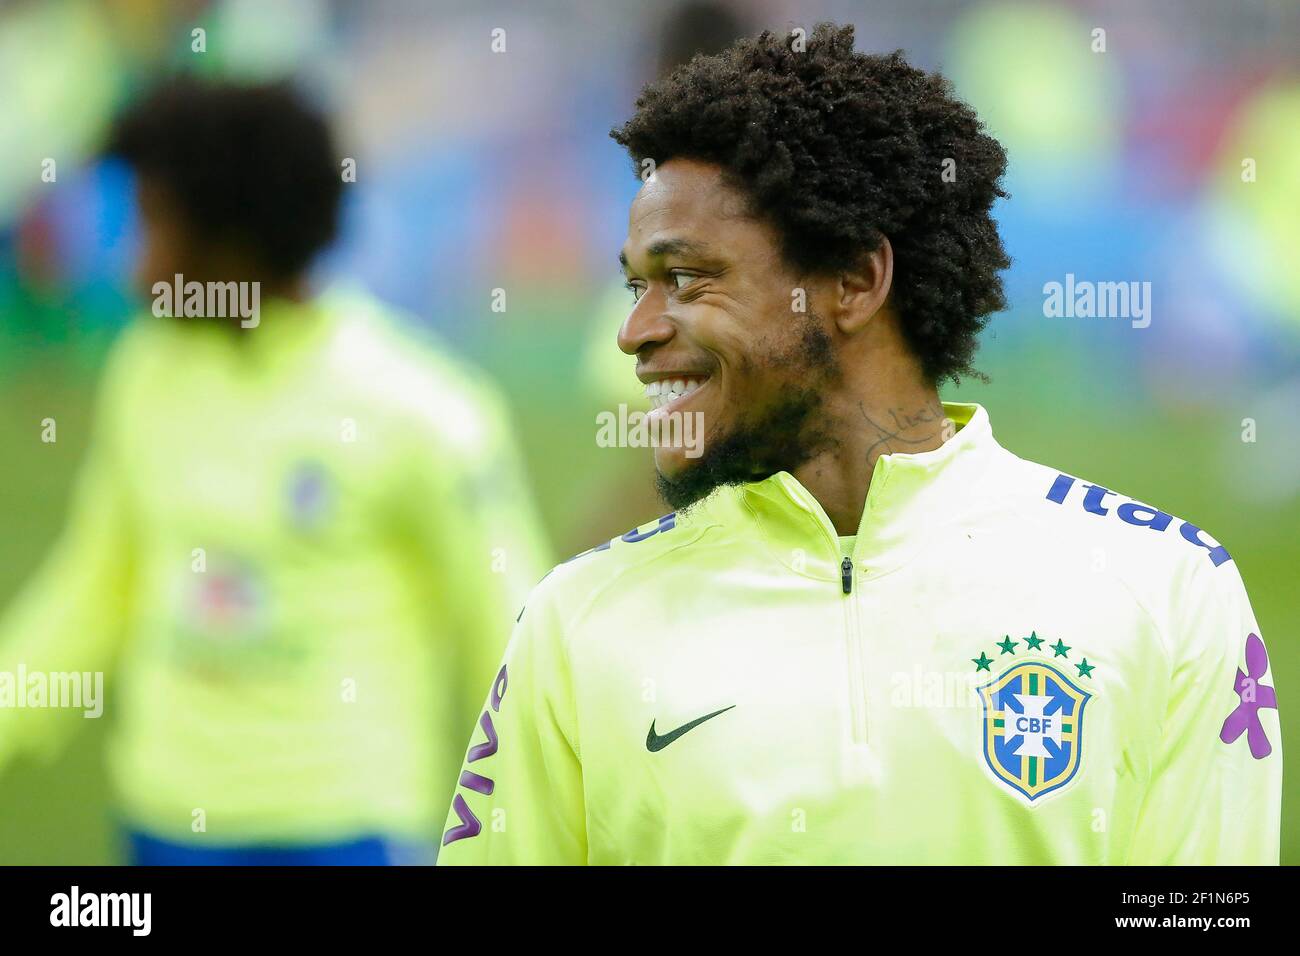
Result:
<point x="480" y="171"/>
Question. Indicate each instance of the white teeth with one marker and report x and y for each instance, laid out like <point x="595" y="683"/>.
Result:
<point x="662" y="392"/>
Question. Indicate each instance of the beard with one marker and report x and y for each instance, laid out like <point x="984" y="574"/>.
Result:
<point x="781" y="436"/>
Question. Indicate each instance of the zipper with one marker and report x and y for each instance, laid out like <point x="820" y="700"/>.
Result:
<point x="857" y="683"/>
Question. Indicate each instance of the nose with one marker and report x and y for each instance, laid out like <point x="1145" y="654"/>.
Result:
<point x="645" y="325"/>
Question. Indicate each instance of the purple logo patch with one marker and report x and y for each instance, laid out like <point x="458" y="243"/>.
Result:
<point x="1254" y="695"/>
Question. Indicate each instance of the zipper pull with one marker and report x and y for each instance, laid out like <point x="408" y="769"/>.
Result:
<point x="846" y="574"/>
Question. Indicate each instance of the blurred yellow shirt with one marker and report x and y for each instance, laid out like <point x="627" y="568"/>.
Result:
<point x="304" y="545"/>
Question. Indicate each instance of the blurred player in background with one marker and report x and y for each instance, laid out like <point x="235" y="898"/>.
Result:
<point x="300" y="537"/>
<point x="870" y="634"/>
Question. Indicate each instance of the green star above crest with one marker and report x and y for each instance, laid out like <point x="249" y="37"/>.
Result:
<point x="1008" y="645"/>
<point x="1086" y="669"/>
<point x="982" y="662"/>
<point x="1060" y="648"/>
<point x="1034" y="642"/>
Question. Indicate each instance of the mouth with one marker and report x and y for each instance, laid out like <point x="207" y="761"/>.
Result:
<point x="669" y="394"/>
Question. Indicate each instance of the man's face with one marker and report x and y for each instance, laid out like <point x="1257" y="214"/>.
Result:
<point x="717" y="330"/>
<point x="164" y="240"/>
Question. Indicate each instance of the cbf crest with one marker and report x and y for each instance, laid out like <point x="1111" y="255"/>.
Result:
<point x="1034" y="716"/>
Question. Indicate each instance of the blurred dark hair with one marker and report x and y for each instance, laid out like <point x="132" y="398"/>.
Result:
<point x="838" y="149"/>
<point x="252" y="165"/>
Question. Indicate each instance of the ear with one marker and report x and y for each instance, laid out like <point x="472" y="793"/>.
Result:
<point x="862" y="290"/>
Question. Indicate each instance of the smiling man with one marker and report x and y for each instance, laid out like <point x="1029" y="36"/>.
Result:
<point x="869" y="634"/>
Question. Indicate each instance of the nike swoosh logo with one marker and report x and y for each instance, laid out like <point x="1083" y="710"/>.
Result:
<point x="654" y="743"/>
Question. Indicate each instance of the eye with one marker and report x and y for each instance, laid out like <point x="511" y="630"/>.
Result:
<point x="681" y="280"/>
<point x="636" y="291"/>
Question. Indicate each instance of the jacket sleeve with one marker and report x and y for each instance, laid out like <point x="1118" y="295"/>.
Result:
<point x="72" y="614"/>
<point x="1216" y="788"/>
<point x="519" y="799"/>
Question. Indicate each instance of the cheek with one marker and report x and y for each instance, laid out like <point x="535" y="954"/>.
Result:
<point x="147" y="266"/>
<point x="151" y="244"/>
<point x="755" y="371"/>
<point x="719" y="337"/>
<point x="721" y="327"/>
<point x="160" y="257"/>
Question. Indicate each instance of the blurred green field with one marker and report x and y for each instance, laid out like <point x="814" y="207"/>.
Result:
<point x="1044" y="409"/>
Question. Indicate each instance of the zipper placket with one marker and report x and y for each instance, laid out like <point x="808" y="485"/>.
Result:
<point x="854" y="643"/>
<point x="857" y="639"/>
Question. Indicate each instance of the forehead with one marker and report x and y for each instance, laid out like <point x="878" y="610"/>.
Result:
<point x="688" y="200"/>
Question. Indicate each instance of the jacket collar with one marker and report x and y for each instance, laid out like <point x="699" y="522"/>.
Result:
<point x="910" y="496"/>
